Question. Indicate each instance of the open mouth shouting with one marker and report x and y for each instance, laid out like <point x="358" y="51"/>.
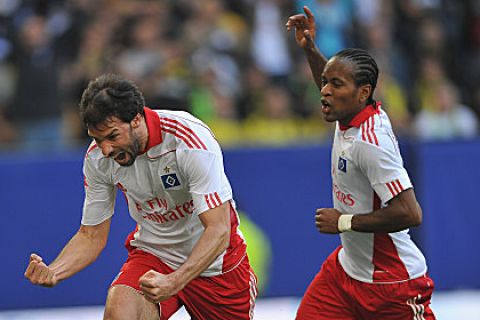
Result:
<point x="123" y="158"/>
<point x="120" y="157"/>
<point x="326" y="107"/>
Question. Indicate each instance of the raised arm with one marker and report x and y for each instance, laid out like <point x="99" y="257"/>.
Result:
<point x="84" y="248"/>
<point x="214" y="240"/>
<point x="304" y="26"/>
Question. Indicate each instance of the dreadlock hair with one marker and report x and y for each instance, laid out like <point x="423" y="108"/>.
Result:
<point x="110" y="95"/>
<point x="366" y="69"/>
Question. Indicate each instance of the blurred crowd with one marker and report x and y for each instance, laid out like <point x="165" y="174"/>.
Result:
<point x="233" y="65"/>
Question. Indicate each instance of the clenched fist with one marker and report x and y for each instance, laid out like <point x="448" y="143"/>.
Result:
<point x="157" y="286"/>
<point x="326" y="220"/>
<point x="39" y="273"/>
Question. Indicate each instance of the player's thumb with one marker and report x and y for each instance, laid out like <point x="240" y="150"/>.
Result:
<point x="307" y="35"/>
<point x="35" y="257"/>
<point x="147" y="277"/>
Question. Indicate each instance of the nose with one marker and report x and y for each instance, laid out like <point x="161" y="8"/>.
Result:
<point x="325" y="92"/>
<point x="107" y="148"/>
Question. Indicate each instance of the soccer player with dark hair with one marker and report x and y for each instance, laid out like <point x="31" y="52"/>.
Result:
<point x="378" y="272"/>
<point x="186" y="249"/>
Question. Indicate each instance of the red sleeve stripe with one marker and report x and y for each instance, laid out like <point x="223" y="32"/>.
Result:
<point x="397" y="191"/>
<point x="390" y="188"/>
<point x="218" y="198"/>
<point x="213" y="200"/>
<point x="395" y="187"/>
<point x="399" y="185"/>
<point x="184" y="130"/>
<point x="208" y="202"/>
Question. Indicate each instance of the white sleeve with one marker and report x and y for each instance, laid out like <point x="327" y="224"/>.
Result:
<point x="206" y="178"/>
<point x="100" y="196"/>
<point x="383" y="166"/>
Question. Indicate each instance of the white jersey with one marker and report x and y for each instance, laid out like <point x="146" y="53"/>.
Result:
<point x="180" y="176"/>
<point x="367" y="172"/>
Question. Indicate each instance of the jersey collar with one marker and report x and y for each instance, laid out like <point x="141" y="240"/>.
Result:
<point x="363" y="115"/>
<point x="153" y="126"/>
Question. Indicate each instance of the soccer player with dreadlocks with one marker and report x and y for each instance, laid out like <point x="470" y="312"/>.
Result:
<point x="378" y="272"/>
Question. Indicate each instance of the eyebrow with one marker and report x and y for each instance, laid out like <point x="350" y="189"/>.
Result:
<point x="115" y="130"/>
<point x="332" y="79"/>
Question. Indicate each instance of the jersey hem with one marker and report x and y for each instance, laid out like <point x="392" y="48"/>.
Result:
<point x="370" y="281"/>
<point x="235" y="265"/>
<point x="203" y="274"/>
<point x="101" y="220"/>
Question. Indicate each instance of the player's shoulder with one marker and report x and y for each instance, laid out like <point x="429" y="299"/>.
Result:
<point x="187" y="131"/>
<point x="183" y="117"/>
<point x="375" y="132"/>
<point x="375" y="139"/>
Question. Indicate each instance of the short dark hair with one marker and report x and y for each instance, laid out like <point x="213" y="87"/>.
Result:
<point x="110" y="95"/>
<point x="366" y="69"/>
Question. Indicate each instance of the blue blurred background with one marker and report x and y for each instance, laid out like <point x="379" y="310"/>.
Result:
<point x="232" y="64"/>
<point x="277" y="188"/>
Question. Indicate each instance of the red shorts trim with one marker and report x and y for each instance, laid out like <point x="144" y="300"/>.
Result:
<point x="227" y="296"/>
<point x="335" y="295"/>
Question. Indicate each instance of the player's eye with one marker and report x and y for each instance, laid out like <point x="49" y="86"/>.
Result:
<point x="337" y="83"/>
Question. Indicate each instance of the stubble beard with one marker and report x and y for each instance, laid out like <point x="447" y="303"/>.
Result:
<point x="133" y="150"/>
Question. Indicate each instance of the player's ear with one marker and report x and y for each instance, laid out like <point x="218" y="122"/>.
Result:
<point x="135" y="123"/>
<point x="365" y="92"/>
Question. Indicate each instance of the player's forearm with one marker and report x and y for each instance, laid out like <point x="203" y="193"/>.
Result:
<point x="399" y="216"/>
<point x="211" y="244"/>
<point x="80" y="251"/>
<point x="317" y="62"/>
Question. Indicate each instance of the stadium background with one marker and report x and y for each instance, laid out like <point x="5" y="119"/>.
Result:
<point x="233" y="65"/>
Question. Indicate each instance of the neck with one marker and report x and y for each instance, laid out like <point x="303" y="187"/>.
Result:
<point x="346" y="121"/>
<point x="142" y="135"/>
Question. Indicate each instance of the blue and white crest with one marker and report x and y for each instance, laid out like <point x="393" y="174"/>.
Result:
<point x="170" y="180"/>
<point x="342" y="164"/>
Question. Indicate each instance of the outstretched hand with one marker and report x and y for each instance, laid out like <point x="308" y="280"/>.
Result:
<point x="304" y="25"/>
<point x="39" y="273"/>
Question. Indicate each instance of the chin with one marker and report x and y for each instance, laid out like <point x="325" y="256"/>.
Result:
<point x="329" y="118"/>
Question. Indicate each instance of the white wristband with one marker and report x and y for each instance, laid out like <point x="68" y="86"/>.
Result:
<point x="345" y="222"/>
